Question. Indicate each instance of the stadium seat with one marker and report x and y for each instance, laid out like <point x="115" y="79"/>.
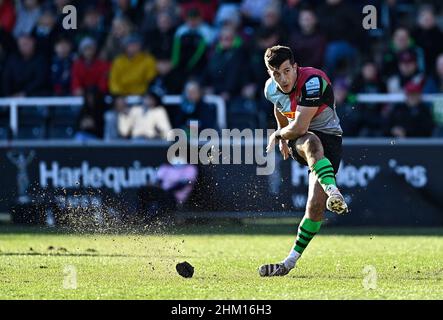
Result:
<point x="62" y="122"/>
<point x="32" y="121"/>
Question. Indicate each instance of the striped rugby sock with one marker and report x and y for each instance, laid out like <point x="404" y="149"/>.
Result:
<point x="324" y="172"/>
<point x="306" y="231"/>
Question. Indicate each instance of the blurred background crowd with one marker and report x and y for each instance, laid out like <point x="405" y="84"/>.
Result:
<point x="192" y="48"/>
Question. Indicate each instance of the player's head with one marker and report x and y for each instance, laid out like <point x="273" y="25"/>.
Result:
<point x="281" y="67"/>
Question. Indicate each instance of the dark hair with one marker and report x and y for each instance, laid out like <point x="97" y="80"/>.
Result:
<point x="276" y="55"/>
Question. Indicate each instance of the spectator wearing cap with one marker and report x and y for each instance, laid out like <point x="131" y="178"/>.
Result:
<point x="28" y="13"/>
<point x="401" y="42"/>
<point x="89" y="72"/>
<point x="428" y="36"/>
<point x="408" y="71"/>
<point x="309" y="43"/>
<point x="413" y="118"/>
<point x="7" y="15"/>
<point x="146" y="121"/>
<point x="133" y="71"/>
<point x="25" y="73"/>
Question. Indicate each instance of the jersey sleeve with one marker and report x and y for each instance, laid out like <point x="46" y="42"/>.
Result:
<point x="312" y="92"/>
<point x="267" y="92"/>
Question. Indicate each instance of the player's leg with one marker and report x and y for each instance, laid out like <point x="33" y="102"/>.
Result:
<point x="308" y="228"/>
<point x="311" y="222"/>
<point x="311" y="149"/>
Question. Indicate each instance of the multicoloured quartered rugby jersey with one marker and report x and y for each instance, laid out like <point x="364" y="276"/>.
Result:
<point x="312" y="89"/>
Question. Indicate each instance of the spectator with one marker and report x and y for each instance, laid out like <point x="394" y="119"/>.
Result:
<point x="91" y="27"/>
<point x="111" y="118"/>
<point x="91" y="119"/>
<point x="128" y="8"/>
<point x="254" y="10"/>
<point x="369" y="81"/>
<point x="133" y="71"/>
<point x="45" y="33"/>
<point x="408" y="71"/>
<point x="28" y="12"/>
<point x="61" y="67"/>
<point x="193" y="108"/>
<point x="86" y="129"/>
<point x="413" y="118"/>
<point x="401" y="41"/>
<point x="25" y="73"/>
<point x="121" y="28"/>
<point x="257" y="75"/>
<point x="89" y="72"/>
<point x="191" y="42"/>
<point x="7" y="15"/>
<point x="228" y="15"/>
<point x="225" y="65"/>
<point x="271" y="19"/>
<point x="147" y="121"/>
<point x="291" y="9"/>
<point x="428" y="36"/>
<point x="434" y="83"/>
<point x="341" y="26"/>
<point x="155" y="8"/>
<point x="309" y="43"/>
<point x="160" y="40"/>
<point x="206" y="8"/>
<point x="351" y="117"/>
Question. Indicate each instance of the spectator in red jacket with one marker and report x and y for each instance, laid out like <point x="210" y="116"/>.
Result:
<point x="7" y="15"/>
<point x="89" y="72"/>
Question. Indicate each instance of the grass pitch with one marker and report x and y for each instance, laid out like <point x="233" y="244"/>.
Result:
<point x="338" y="264"/>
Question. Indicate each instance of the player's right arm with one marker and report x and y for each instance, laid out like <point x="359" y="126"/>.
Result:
<point x="282" y="122"/>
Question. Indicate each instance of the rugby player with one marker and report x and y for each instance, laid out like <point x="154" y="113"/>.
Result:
<point x="309" y="131"/>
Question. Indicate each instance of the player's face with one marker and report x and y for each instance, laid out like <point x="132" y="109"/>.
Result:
<point x="285" y="76"/>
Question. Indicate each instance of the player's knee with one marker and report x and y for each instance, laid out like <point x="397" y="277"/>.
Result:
<point x="312" y="145"/>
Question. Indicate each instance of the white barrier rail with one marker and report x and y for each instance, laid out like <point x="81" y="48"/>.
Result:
<point x="15" y="103"/>
<point x="393" y="97"/>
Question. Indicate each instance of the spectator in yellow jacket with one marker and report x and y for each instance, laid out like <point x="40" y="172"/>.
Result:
<point x="132" y="72"/>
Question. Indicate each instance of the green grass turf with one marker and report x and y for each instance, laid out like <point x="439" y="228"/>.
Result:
<point x="408" y="263"/>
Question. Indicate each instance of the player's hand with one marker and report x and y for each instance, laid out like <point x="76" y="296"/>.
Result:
<point x="271" y="143"/>
<point x="284" y="149"/>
